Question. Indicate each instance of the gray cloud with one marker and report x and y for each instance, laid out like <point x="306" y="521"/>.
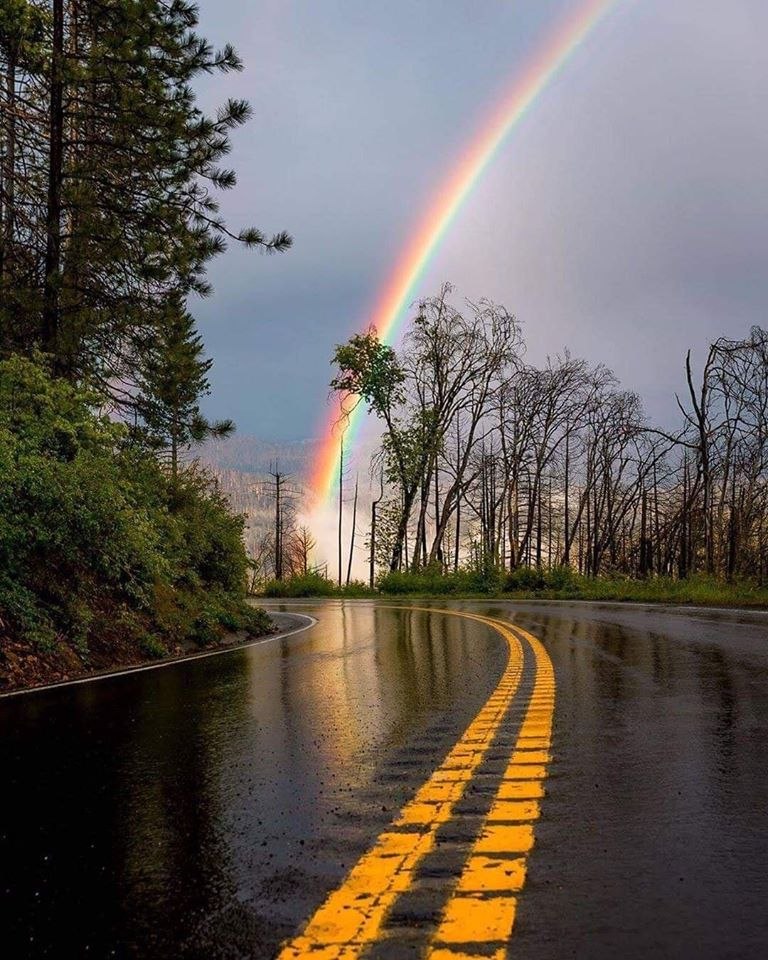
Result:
<point x="625" y="218"/>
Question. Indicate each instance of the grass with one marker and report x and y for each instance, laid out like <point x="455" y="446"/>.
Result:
<point x="314" y="585"/>
<point x="528" y="584"/>
<point x="696" y="591"/>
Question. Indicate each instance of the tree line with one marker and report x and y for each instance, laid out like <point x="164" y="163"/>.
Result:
<point x="113" y="545"/>
<point x="490" y="461"/>
<point x="109" y="171"/>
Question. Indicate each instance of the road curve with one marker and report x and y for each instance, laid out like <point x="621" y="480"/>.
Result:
<point x="283" y="624"/>
<point x="384" y="785"/>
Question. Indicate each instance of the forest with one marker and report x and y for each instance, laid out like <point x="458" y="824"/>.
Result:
<point x="112" y="544"/>
<point x="526" y="474"/>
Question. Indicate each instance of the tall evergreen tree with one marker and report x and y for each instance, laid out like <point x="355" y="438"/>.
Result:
<point x="119" y="167"/>
<point x="173" y="379"/>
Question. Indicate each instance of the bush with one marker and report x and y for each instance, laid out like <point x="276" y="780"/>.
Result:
<point x="153" y="648"/>
<point x="314" y="584"/>
<point x="255" y="621"/>
<point x="524" y="578"/>
<point x="310" y="584"/>
<point x="96" y="540"/>
<point x="356" y="588"/>
<point x="561" y="578"/>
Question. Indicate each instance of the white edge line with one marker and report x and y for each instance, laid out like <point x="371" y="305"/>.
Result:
<point x="172" y="662"/>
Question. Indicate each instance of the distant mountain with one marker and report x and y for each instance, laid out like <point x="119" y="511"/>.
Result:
<point x="246" y="454"/>
<point x="241" y="466"/>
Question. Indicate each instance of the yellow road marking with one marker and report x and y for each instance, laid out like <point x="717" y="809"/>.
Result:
<point x="520" y="791"/>
<point x="510" y="810"/>
<point x="351" y="917"/>
<point x="478" y="919"/>
<point x="492" y="873"/>
<point x="471" y="918"/>
<point x="501" y="838"/>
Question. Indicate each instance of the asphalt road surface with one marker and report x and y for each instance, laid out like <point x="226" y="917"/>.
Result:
<point x="482" y="780"/>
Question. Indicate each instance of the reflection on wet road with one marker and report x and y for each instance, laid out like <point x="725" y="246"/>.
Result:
<point x="440" y="881"/>
<point x="212" y="808"/>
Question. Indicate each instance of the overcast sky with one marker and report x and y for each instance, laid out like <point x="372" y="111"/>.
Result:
<point x="626" y="218"/>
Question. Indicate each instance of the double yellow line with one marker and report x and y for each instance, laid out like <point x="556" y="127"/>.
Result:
<point x="481" y="909"/>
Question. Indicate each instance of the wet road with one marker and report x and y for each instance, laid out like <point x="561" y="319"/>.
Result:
<point x="213" y="808"/>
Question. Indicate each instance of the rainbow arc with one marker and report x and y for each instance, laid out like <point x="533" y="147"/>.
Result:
<point x="401" y="286"/>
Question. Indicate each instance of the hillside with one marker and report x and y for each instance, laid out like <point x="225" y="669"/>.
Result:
<point x="241" y="465"/>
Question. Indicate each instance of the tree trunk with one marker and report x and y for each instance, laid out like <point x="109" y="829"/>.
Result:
<point x="352" y="535"/>
<point x="372" y="559"/>
<point x="456" y="545"/>
<point x="8" y="212"/>
<point x="341" y="503"/>
<point x="278" y="529"/>
<point x="566" y="494"/>
<point x="51" y="319"/>
<point x="402" y="531"/>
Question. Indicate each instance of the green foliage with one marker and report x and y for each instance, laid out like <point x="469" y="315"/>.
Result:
<point x="109" y="217"/>
<point x="307" y="585"/>
<point x="254" y="620"/>
<point x="699" y="590"/>
<point x="560" y="583"/>
<point x="172" y="379"/>
<point x="563" y="583"/>
<point x="96" y="539"/>
<point x="153" y="648"/>
<point x="314" y="584"/>
<point x="369" y="369"/>
<point x="356" y="588"/>
<point x="139" y="173"/>
<point x="525" y="578"/>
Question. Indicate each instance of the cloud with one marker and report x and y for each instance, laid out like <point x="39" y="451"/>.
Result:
<point x="626" y="218"/>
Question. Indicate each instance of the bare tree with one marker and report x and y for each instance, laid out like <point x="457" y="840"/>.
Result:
<point x="515" y="464"/>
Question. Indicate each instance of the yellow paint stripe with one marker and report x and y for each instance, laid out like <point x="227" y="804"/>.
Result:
<point x="350" y="919"/>
<point x="479" y="917"/>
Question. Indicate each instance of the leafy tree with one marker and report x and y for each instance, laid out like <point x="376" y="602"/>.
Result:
<point x="450" y="366"/>
<point x="109" y="174"/>
<point x="368" y="371"/>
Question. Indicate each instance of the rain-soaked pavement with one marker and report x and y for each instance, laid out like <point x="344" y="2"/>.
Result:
<point x="207" y="809"/>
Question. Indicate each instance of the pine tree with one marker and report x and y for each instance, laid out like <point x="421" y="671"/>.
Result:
<point x="174" y="377"/>
<point x="23" y="27"/>
<point x="110" y="171"/>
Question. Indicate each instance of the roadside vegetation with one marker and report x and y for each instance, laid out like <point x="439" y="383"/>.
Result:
<point x="99" y="544"/>
<point x="498" y="476"/>
<point x="114" y="546"/>
<point x="529" y="584"/>
<point x="314" y="584"/>
<point x="488" y="462"/>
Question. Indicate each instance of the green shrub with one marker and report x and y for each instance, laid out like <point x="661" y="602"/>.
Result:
<point x="314" y="584"/>
<point x="310" y="584"/>
<point x="561" y="578"/>
<point x="356" y="588"/>
<point x="153" y="648"/>
<point x="398" y="582"/>
<point x="255" y="621"/>
<point x="525" y="578"/>
<point x="206" y="629"/>
<point x="96" y="540"/>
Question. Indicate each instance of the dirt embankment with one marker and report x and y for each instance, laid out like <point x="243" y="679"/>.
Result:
<point x="24" y="665"/>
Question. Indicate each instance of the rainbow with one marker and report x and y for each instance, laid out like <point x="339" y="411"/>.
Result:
<point x="400" y="288"/>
